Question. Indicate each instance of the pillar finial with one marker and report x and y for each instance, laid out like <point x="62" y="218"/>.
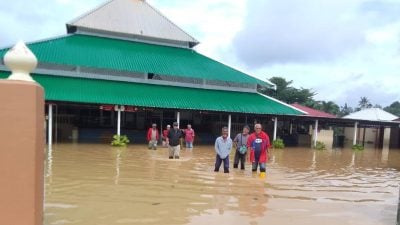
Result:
<point x="21" y="61"/>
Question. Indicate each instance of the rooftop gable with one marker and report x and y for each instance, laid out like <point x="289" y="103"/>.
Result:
<point x="372" y="114"/>
<point x="131" y="19"/>
<point x="313" y="112"/>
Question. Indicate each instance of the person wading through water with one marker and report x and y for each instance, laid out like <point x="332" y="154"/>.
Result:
<point x="258" y="145"/>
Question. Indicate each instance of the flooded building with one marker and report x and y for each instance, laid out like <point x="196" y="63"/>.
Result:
<point x="124" y="65"/>
<point x="373" y="135"/>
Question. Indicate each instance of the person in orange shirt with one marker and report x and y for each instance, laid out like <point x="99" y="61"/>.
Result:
<point x="165" y="142"/>
<point x="153" y="136"/>
<point x="258" y="145"/>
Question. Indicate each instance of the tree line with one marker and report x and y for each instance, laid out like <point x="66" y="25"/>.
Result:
<point x="304" y="96"/>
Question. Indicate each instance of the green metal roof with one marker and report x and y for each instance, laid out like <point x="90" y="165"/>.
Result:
<point x="82" y="90"/>
<point x="122" y="55"/>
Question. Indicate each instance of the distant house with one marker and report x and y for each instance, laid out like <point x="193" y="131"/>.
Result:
<point x="372" y="135"/>
<point x="313" y="126"/>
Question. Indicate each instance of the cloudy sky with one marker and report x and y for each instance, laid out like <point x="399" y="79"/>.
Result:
<point x="341" y="49"/>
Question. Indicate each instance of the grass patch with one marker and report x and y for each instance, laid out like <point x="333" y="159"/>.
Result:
<point x="120" y="140"/>
<point x="357" y="147"/>
<point x="320" y="145"/>
<point x="278" y="144"/>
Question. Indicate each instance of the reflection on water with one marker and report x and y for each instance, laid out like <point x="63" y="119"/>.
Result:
<point x="102" y="185"/>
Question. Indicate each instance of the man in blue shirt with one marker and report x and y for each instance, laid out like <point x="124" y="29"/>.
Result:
<point x="223" y="147"/>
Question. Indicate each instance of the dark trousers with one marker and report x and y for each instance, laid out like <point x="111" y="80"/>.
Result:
<point x="218" y="162"/>
<point x="239" y="158"/>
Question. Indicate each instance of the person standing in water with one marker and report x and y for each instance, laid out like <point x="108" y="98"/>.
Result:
<point x="241" y="147"/>
<point x="189" y="137"/>
<point x="223" y="147"/>
<point x="165" y="142"/>
<point x="174" y="136"/>
<point x="258" y="145"/>
<point x="152" y="136"/>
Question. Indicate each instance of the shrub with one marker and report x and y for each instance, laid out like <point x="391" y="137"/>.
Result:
<point x="120" y="140"/>
<point x="278" y="144"/>
<point x="357" y="147"/>
<point x="320" y="145"/>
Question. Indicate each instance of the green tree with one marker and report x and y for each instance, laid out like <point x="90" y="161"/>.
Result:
<point x="330" y="107"/>
<point x="286" y="93"/>
<point x="364" y="103"/>
<point x="393" y="108"/>
<point x="345" y="110"/>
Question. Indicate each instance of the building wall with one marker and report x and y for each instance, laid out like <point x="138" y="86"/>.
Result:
<point x="371" y="137"/>
<point x="325" y="136"/>
<point x="394" y="138"/>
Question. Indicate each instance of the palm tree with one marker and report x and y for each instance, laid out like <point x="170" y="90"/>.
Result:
<point x="364" y="103"/>
<point x="330" y="107"/>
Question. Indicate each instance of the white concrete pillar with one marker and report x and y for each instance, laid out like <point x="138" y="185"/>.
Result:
<point x="315" y="133"/>
<point x="50" y="126"/>
<point x="275" y="127"/>
<point x="291" y="128"/>
<point x="229" y="125"/>
<point x="178" y="118"/>
<point x="355" y="133"/>
<point x="118" y="109"/>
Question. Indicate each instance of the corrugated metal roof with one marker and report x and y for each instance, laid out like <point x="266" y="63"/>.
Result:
<point x="82" y="90"/>
<point x="313" y="112"/>
<point x="132" y="17"/>
<point x="121" y="55"/>
<point x="372" y="114"/>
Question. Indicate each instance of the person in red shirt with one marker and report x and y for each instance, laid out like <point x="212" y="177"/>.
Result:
<point x="153" y="136"/>
<point x="189" y="137"/>
<point x="165" y="142"/>
<point x="258" y="145"/>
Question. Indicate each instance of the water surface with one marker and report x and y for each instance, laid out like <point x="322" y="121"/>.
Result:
<point x="102" y="185"/>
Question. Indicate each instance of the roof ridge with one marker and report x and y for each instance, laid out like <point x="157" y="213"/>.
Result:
<point x="161" y="14"/>
<point x="231" y="67"/>
<point x="90" y="12"/>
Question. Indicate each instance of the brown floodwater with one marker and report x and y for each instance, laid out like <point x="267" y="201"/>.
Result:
<point x="101" y="185"/>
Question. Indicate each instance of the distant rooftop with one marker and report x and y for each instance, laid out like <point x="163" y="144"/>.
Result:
<point x="313" y="112"/>
<point x="372" y="114"/>
<point x="134" y="19"/>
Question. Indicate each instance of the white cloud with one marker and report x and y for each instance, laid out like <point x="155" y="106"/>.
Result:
<point x="213" y="23"/>
<point x="340" y="49"/>
<point x="40" y="19"/>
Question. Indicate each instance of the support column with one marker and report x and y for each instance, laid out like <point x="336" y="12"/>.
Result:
<point x="21" y="163"/>
<point x="50" y="126"/>
<point x="355" y="133"/>
<point x="398" y="210"/>
<point x="161" y="125"/>
<point x="291" y="128"/>
<point x="315" y="133"/>
<point x="118" y="109"/>
<point x="275" y="127"/>
<point x="178" y="118"/>
<point x="229" y="125"/>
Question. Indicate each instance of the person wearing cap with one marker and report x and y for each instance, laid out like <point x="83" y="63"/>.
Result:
<point x="223" y="147"/>
<point x="258" y="144"/>
<point x="165" y="136"/>
<point x="174" y="136"/>
<point x="153" y="136"/>
<point x="241" y="147"/>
